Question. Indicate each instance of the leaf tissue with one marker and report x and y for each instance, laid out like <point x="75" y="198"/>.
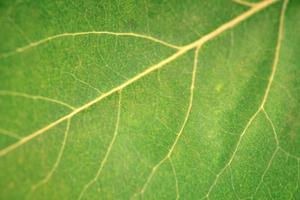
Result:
<point x="150" y="99"/>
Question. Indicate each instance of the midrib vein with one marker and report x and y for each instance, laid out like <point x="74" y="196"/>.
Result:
<point x="181" y="51"/>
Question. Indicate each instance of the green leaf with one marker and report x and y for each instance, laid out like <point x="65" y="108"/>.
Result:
<point x="150" y="99"/>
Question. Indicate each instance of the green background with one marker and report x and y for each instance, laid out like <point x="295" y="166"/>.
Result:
<point x="217" y="156"/>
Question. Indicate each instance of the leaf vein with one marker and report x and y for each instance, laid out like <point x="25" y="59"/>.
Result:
<point x="110" y="146"/>
<point x="34" y="97"/>
<point x="63" y="35"/>
<point x="56" y="164"/>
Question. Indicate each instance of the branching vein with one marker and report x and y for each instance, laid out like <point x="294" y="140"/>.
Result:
<point x="187" y="115"/>
<point x="176" y="179"/>
<point x="9" y="133"/>
<point x="63" y="35"/>
<point x="110" y="146"/>
<point x="34" y="97"/>
<point x="261" y="107"/>
<point x="266" y="170"/>
<point x="61" y="151"/>
<point x="84" y="82"/>
<point x="272" y="125"/>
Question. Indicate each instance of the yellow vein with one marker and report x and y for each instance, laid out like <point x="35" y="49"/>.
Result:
<point x="233" y="154"/>
<point x="187" y="115"/>
<point x="61" y="151"/>
<point x="289" y="154"/>
<point x="261" y="107"/>
<point x="245" y="3"/>
<point x="63" y="35"/>
<point x="181" y="51"/>
<point x="277" y="50"/>
<point x="34" y="97"/>
<point x="84" y="82"/>
<point x="272" y="125"/>
<point x="265" y="171"/>
<point x="9" y="133"/>
<point x="90" y="183"/>
<point x="176" y="179"/>
<point x="232" y="185"/>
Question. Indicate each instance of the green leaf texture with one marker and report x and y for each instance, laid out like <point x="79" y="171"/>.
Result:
<point x="149" y="99"/>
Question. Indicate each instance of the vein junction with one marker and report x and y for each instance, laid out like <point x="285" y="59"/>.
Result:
<point x="181" y="50"/>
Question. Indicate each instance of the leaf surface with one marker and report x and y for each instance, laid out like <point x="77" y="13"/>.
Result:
<point x="150" y="99"/>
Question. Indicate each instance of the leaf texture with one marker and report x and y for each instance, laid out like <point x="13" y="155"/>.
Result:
<point x="150" y="99"/>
